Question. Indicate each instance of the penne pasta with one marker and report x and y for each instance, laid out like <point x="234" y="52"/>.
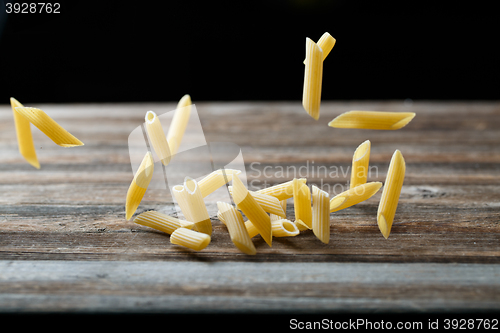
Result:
<point x="49" y="127"/>
<point x="24" y="136"/>
<point x="376" y="120"/>
<point x="321" y="214"/>
<point x="139" y="185"/>
<point x="301" y="225"/>
<point x="360" y="162"/>
<point x="193" y="207"/>
<point x="275" y="217"/>
<point x="252" y="210"/>
<point x="354" y="196"/>
<point x="302" y="203"/>
<point x="251" y="229"/>
<point x="179" y="123"/>
<point x="157" y="137"/>
<point x="313" y="76"/>
<point x="391" y="192"/>
<point x="326" y="43"/>
<point x="162" y="222"/>
<point x="215" y="180"/>
<point x="236" y="227"/>
<point x="269" y="203"/>
<point x="189" y="238"/>
<point x="281" y="191"/>
<point x="284" y="228"/>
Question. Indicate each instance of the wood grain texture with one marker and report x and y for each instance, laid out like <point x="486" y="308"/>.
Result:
<point x="72" y="209"/>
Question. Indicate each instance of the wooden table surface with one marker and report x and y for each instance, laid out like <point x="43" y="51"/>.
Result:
<point x="65" y="244"/>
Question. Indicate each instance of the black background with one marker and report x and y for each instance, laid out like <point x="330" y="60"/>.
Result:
<point x="120" y="51"/>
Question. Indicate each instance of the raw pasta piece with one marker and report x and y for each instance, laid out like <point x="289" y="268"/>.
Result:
<point x="193" y="207"/>
<point x="157" y="137"/>
<point x="376" y="120"/>
<point x="215" y="180"/>
<point x="139" y="185"/>
<point x="302" y="203"/>
<point x="189" y="238"/>
<point x="354" y="196"/>
<point x="301" y="225"/>
<point x="391" y="192"/>
<point x="49" y="127"/>
<point x="251" y="229"/>
<point x="252" y="210"/>
<point x="269" y="203"/>
<point x="179" y="123"/>
<point x="161" y="222"/>
<point x="284" y="228"/>
<point x="313" y="77"/>
<point x="281" y="191"/>
<point x="321" y="214"/>
<point x="326" y="43"/>
<point x="360" y="162"/>
<point x="236" y="227"/>
<point x="24" y="136"/>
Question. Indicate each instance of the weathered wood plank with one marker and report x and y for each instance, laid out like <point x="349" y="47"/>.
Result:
<point x="184" y="287"/>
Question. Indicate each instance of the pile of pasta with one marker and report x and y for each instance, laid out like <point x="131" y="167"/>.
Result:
<point x="265" y="210"/>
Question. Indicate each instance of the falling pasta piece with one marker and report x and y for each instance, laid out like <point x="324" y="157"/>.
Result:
<point x="321" y="214"/>
<point x="251" y="229"/>
<point x="281" y="191"/>
<point x="354" y="196"/>
<point x="179" y="123"/>
<point x="215" y="180"/>
<point x="189" y="238"/>
<point x="326" y="43"/>
<point x="193" y="207"/>
<point x="162" y="222"/>
<point x="313" y="77"/>
<point x="284" y="228"/>
<point x="302" y="203"/>
<point x="269" y="203"/>
<point x="157" y="137"/>
<point x="49" y="127"/>
<point x="139" y="185"/>
<point x="236" y="227"/>
<point x="252" y="210"/>
<point x="24" y="136"/>
<point x="391" y="192"/>
<point x="376" y="120"/>
<point x="360" y="162"/>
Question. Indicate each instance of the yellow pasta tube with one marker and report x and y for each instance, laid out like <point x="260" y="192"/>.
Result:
<point x="376" y="120"/>
<point x="326" y="43"/>
<point x="189" y="238"/>
<point x="281" y="191"/>
<point x="284" y="228"/>
<point x="313" y="77"/>
<point x="215" y="180"/>
<point x="157" y="137"/>
<point x="354" y="196"/>
<point x="391" y="192"/>
<point x="301" y="225"/>
<point x="49" y="127"/>
<point x="321" y="214"/>
<point x="179" y="123"/>
<point x="162" y="222"/>
<point x="24" y="136"/>
<point x="269" y="203"/>
<point x="139" y="185"/>
<point x="236" y="227"/>
<point x="360" y="162"/>
<point x="251" y="229"/>
<point x="252" y="210"/>
<point x="193" y="207"/>
<point x="302" y="203"/>
<point x="275" y="217"/>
